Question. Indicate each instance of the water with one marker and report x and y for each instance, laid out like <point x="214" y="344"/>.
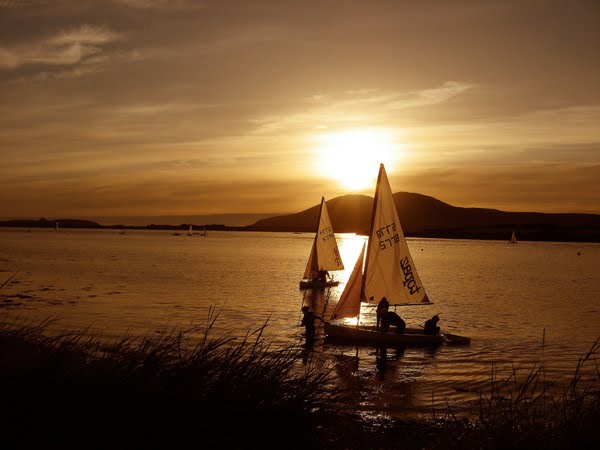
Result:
<point x="521" y="304"/>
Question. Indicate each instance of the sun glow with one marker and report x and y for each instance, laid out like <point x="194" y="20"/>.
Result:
<point x="352" y="157"/>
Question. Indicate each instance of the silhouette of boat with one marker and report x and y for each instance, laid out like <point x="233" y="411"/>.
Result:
<point x="324" y="254"/>
<point x="389" y="272"/>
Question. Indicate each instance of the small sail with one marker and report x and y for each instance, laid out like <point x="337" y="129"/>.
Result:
<point x="190" y="231"/>
<point x="513" y="238"/>
<point x="56" y="226"/>
<point x="324" y="254"/>
<point x="349" y="303"/>
<point x="312" y="267"/>
<point x="390" y="271"/>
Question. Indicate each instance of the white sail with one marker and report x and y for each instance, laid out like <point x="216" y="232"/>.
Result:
<point x="349" y="303"/>
<point x="390" y="271"/>
<point x="324" y="254"/>
<point x="513" y="238"/>
<point x="190" y="231"/>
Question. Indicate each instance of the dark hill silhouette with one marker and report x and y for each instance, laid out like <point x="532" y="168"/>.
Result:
<point x="426" y="216"/>
<point x="44" y="223"/>
<point x="351" y="213"/>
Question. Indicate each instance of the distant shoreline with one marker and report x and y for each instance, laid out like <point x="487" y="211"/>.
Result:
<point x="536" y="233"/>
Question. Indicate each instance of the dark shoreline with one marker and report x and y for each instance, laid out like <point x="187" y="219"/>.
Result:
<point x="537" y="233"/>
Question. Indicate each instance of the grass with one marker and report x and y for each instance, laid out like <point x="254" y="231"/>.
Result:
<point x="166" y="390"/>
<point x="526" y="413"/>
<point x="177" y="389"/>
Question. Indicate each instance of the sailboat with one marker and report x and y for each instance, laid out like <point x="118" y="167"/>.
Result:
<point x="389" y="271"/>
<point x="190" y="231"/>
<point x="56" y="226"/>
<point x="324" y="254"/>
<point x="203" y="231"/>
<point x="513" y="238"/>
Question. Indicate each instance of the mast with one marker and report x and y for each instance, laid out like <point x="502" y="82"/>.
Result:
<point x="363" y="294"/>
<point x="313" y="261"/>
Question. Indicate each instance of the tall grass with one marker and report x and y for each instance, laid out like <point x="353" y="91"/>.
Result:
<point x="168" y="390"/>
<point x="524" y="412"/>
<point x="187" y="389"/>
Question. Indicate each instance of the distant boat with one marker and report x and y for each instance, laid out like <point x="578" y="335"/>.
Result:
<point x="122" y="229"/>
<point x="513" y="238"/>
<point x="389" y="272"/>
<point x="56" y="226"/>
<point x="203" y="231"/>
<point x="324" y="254"/>
<point x="190" y="231"/>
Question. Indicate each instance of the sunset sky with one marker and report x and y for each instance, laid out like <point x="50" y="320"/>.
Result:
<point x="153" y="107"/>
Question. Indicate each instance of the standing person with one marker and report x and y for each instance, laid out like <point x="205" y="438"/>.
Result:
<point x="431" y="326"/>
<point x="322" y="276"/>
<point x="382" y="307"/>
<point x="308" y="320"/>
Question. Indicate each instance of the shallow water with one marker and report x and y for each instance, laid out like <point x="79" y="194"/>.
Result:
<point x="521" y="304"/>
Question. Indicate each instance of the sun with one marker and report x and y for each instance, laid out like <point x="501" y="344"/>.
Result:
<point x="352" y="157"/>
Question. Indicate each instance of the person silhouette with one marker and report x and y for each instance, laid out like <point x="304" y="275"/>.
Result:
<point x="431" y="327"/>
<point x="391" y="318"/>
<point x="308" y="320"/>
<point x="382" y="307"/>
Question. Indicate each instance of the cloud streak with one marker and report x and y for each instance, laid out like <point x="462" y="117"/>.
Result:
<point x="69" y="47"/>
<point x="359" y="106"/>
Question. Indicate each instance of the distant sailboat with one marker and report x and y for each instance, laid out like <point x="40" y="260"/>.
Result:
<point x="56" y="226"/>
<point x="203" y="231"/>
<point x="122" y="229"/>
<point x="513" y="238"/>
<point x="190" y="231"/>
<point x="324" y="254"/>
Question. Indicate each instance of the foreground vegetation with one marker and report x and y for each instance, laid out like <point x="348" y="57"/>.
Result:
<point x="187" y="389"/>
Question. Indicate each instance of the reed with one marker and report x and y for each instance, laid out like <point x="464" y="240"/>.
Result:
<point x="169" y="389"/>
<point x="524" y="412"/>
<point x="185" y="388"/>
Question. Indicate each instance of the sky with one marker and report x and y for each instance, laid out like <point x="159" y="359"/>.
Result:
<point x="153" y="107"/>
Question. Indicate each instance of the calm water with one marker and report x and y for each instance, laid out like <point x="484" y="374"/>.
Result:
<point x="503" y="296"/>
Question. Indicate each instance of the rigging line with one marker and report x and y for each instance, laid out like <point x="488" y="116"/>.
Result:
<point x="9" y="278"/>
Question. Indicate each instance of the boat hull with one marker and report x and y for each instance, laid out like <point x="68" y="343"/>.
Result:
<point x="368" y="335"/>
<point x="310" y="284"/>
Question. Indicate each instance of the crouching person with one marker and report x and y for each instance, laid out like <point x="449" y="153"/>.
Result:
<point x="392" y="319"/>
<point x="431" y="326"/>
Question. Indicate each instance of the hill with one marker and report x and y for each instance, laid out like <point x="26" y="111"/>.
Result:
<point x="426" y="216"/>
<point x="44" y="223"/>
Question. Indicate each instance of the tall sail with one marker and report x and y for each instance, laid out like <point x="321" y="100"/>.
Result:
<point x="190" y="232"/>
<point x="390" y="271"/>
<point x="349" y="303"/>
<point x="513" y="238"/>
<point x="324" y="254"/>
